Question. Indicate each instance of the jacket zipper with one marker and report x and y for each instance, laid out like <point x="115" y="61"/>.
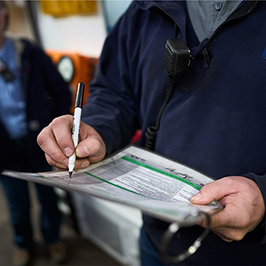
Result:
<point x="205" y="51"/>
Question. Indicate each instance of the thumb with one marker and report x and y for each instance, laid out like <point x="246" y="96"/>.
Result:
<point x="92" y="147"/>
<point x="208" y="193"/>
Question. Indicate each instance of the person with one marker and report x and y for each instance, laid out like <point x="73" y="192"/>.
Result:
<point x="32" y="94"/>
<point x="191" y="76"/>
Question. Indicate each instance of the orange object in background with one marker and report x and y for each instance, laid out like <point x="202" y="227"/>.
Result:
<point x="60" y="8"/>
<point x="74" y="68"/>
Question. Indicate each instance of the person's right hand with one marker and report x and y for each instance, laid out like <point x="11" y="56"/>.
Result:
<point x="56" y="141"/>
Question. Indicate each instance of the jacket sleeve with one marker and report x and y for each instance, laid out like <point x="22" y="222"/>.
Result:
<point x="112" y="106"/>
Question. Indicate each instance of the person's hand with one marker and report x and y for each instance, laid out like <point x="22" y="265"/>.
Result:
<point x="244" y="207"/>
<point x="56" y="141"/>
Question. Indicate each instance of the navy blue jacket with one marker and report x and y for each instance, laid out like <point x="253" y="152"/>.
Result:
<point x="216" y="118"/>
<point x="47" y="96"/>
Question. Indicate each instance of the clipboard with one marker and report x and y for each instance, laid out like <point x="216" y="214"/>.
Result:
<point x="139" y="178"/>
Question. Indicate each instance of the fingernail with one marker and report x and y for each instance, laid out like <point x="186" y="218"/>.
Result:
<point x="82" y="151"/>
<point x="196" y="197"/>
<point x="85" y="164"/>
<point x="68" y="151"/>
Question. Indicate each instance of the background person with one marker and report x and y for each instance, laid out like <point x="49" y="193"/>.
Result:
<point x="32" y="92"/>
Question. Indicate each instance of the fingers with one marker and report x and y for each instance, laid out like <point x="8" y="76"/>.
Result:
<point x="212" y="191"/>
<point x="91" y="145"/>
<point x="56" y="141"/>
<point x="243" y="206"/>
<point x="224" y="238"/>
<point x="230" y="224"/>
<point x="55" y="164"/>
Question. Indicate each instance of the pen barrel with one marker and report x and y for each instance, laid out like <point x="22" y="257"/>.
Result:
<point x="71" y="162"/>
<point x="76" y="124"/>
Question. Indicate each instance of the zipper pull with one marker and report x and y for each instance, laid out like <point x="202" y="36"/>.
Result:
<point x="206" y="55"/>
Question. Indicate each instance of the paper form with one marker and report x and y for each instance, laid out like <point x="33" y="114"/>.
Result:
<point x="137" y="178"/>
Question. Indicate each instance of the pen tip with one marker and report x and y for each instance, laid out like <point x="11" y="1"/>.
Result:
<point x="70" y="174"/>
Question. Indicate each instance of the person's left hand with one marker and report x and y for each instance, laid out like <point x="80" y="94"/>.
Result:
<point x="244" y="207"/>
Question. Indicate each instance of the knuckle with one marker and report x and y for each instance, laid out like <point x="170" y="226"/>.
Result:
<point x="54" y="163"/>
<point x="49" y="160"/>
<point x="57" y="121"/>
<point x="61" y="119"/>
<point x="237" y="235"/>
<point x="60" y="166"/>
<point x="56" y="155"/>
<point x="41" y="138"/>
<point x="95" y="145"/>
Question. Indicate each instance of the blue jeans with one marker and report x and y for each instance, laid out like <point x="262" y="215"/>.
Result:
<point x="148" y="255"/>
<point x="17" y="194"/>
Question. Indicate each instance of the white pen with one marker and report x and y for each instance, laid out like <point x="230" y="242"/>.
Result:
<point x="76" y="124"/>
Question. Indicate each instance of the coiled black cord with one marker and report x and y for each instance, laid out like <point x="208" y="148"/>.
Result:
<point x="176" y="60"/>
<point x="151" y="131"/>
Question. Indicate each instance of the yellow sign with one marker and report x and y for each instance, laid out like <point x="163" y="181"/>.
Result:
<point x="59" y="8"/>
